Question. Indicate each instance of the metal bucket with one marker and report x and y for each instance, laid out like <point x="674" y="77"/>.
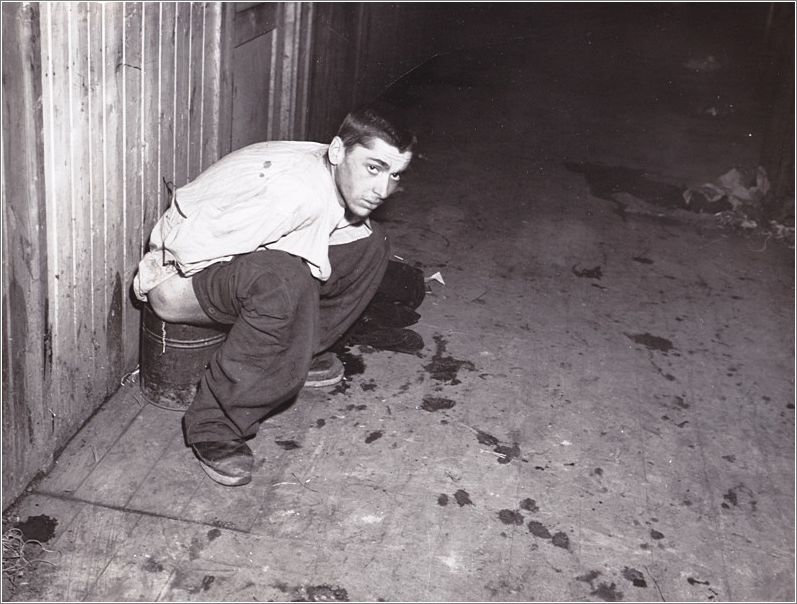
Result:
<point x="173" y="358"/>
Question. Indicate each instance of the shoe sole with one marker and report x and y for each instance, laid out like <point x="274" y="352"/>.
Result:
<point x="321" y="383"/>
<point x="227" y="481"/>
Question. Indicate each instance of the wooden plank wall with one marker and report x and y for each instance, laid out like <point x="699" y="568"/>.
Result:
<point x="118" y="99"/>
<point x="26" y="341"/>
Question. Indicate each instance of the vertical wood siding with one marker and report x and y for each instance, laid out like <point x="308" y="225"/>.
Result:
<point x="26" y="340"/>
<point x="118" y="99"/>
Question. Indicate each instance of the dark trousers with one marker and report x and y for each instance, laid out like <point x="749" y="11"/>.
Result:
<point x="281" y="316"/>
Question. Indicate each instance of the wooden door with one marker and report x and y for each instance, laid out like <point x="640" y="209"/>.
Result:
<point x="268" y="60"/>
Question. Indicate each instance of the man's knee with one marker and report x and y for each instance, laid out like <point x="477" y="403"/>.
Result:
<point x="282" y="288"/>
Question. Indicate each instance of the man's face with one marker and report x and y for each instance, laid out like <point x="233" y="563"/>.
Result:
<point x="366" y="175"/>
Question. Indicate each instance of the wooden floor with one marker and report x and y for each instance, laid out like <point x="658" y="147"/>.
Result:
<point x="603" y="410"/>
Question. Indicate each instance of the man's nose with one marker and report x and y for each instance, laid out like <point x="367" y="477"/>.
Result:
<point x="382" y="187"/>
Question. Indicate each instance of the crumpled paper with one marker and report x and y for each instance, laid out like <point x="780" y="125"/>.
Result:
<point x="436" y="277"/>
<point x="732" y="185"/>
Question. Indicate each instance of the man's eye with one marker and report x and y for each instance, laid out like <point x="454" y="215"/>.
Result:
<point x="395" y="176"/>
<point x="373" y="169"/>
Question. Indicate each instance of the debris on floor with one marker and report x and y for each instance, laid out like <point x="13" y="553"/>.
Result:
<point x="131" y="378"/>
<point x="436" y="277"/>
<point x="733" y="185"/>
<point x="747" y="194"/>
<point x="20" y="558"/>
<point x="782" y="232"/>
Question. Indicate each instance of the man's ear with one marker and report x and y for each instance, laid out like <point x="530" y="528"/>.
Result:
<point x="336" y="151"/>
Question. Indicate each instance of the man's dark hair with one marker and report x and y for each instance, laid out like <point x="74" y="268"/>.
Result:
<point x="376" y="120"/>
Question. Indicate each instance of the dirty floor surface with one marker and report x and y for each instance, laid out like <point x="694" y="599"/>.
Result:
<point x="603" y="409"/>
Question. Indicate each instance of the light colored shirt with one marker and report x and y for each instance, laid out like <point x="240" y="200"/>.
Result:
<point x="278" y="195"/>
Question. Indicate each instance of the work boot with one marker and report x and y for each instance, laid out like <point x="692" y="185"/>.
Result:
<point x="325" y="370"/>
<point x="227" y="462"/>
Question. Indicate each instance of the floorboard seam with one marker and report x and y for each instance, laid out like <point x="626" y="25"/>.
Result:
<point x="120" y="508"/>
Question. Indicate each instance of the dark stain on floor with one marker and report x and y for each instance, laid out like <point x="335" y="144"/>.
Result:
<point x="607" y="593"/>
<point x="442" y="499"/>
<point x="506" y="452"/>
<point x="375" y="435"/>
<point x="38" y="528"/>
<point x="642" y="260"/>
<point x="288" y="445"/>
<point x="445" y="368"/>
<point x="153" y="566"/>
<point x="196" y="547"/>
<point x="313" y="593"/>
<point x="368" y="386"/>
<point x="320" y="423"/>
<point x="635" y="577"/>
<point x="187" y="582"/>
<point x="587" y="273"/>
<point x="606" y="182"/>
<point x="352" y="364"/>
<point x="732" y="497"/>
<point x="538" y="530"/>
<point x="325" y="593"/>
<point x="654" y="534"/>
<point x="561" y="539"/>
<point x="510" y="517"/>
<point x="693" y="581"/>
<point x="679" y="401"/>
<point x="213" y="534"/>
<point x="341" y="387"/>
<point x="650" y="341"/>
<point x="589" y="577"/>
<point x="486" y="439"/>
<point x="462" y="498"/>
<point x="404" y="387"/>
<point x="207" y="581"/>
<point x="529" y="505"/>
<point x="433" y="403"/>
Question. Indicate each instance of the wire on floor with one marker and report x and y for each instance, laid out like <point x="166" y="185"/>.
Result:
<point x="20" y="554"/>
